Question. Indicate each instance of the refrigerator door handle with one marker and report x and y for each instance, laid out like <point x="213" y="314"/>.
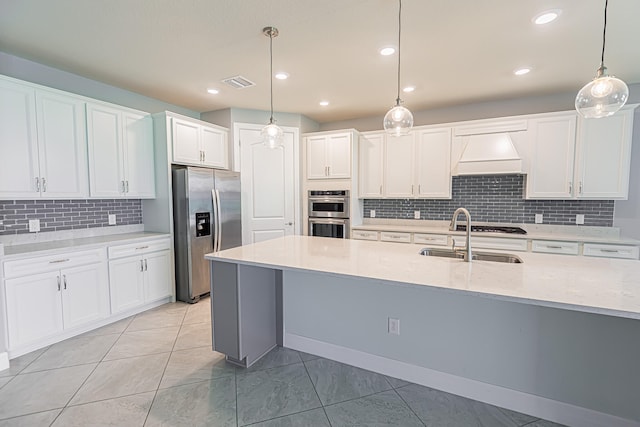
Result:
<point x="216" y="220"/>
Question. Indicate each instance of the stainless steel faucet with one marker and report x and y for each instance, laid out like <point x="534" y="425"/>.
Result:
<point x="453" y="225"/>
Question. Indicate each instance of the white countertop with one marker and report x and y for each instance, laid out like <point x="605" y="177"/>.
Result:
<point x="596" y="285"/>
<point x="52" y="246"/>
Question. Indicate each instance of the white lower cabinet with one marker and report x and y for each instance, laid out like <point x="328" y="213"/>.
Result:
<point x="46" y="304"/>
<point x="125" y="277"/>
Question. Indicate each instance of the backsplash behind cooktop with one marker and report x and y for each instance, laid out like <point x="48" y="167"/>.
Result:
<point x="495" y="199"/>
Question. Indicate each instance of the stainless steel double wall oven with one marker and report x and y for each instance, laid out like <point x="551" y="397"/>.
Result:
<point x="329" y="213"/>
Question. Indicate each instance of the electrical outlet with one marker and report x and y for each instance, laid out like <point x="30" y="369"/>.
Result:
<point x="372" y="213"/>
<point x="538" y="218"/>
<point x="416" y="214"/>
<point x="580" y="219"/>
<point x="394" y="326"/>
<point x="112" y="219"/>
<point x="34" y="225"/>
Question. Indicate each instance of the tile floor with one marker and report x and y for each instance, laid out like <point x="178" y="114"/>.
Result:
<point x="157" y="369"/>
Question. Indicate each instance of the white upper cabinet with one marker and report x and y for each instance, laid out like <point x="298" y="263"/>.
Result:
<point x="398" y="166"/>
<point x="603" y="156"/>
<point x="371" y="160"/>
<point x="42" y="144"/>
<point x="329" y="156"/>
<point x="194" y="143"/>
<point x="551" y="157"/>
<point x="433" y="163"/>
<point x="120" y="153"/>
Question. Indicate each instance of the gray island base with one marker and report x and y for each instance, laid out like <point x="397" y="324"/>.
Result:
<point x="544" y="358"/>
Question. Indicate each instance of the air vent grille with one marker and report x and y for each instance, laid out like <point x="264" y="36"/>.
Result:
<point x="238" y="82"/>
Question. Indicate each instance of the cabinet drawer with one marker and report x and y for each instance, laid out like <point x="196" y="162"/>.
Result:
<point x="611" y="251"/>
<point x="139" y="248"/>
<point x="500" y="243"/>
<point x="387" y="236"/>
<point x="555" y="247"/>
<point x="47" y="263"/>
<point x="364" y="235"/>
<point x="431" y="239"/>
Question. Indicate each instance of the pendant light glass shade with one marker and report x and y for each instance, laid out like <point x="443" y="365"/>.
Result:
<point x="605" y="94"/>
<point x="398" y="120"/>
<point x="272" y="135"/>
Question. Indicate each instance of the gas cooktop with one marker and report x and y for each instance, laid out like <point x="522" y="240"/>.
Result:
<point x="492" y="229"/>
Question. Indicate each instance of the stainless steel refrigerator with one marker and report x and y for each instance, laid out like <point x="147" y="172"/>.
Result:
<point x="206" y="218"/>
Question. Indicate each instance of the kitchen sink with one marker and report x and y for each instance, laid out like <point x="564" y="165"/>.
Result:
<point x="476" y="256"/>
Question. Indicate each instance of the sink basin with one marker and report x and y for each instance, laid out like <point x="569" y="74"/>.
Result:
<point x="477" y="256"/>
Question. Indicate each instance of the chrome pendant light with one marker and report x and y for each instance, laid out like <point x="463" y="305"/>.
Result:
<point x="605" y="94"/>
<point x="272" y="134"/>
<point x="398" y="120"/>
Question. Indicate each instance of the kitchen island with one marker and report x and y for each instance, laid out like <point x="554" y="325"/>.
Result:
<point x="557" y="336"/>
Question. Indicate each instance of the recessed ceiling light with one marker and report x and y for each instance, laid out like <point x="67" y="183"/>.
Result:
<point x="213" y="91"/>
<point x="409" y="89"/>
<point x="324" y="103"/>
<point x="281" y="76"/>
<point x="522" y="71"/>
<point x="546" y="17"/>
<point x="386" y="51"/>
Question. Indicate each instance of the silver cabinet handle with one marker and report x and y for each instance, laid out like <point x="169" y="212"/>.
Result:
<point x="554" y="247"/>
<point x="122" y="186"/>
<point x="412" y="189"/>
<point x="126" y="183"/>
<point x="141" y="266"/>
<point x="64" y="279"/>
<point x="58" y="282"/>
<point x="570" y="187"/>
<point x="59" y="261"/>
<point x="580" y="190"/>
<point x="418" y="188"/>
<point x="37" y="184"/>
<point x="610" y="251"/>
<point x="204" y="156"/>
<point x="145" y="265"/>
<point x="380" y="189"/>
<point x="139" y="248"/>
<point x="44" y="184"/>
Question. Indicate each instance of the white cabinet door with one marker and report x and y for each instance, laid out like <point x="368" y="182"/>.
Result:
<point x="433" y="163"/>
<point x="85" y="294"/>
<point x="62" y="146"/>
<point x="126" y="283"/>
<point x="603" y="156"/>
<point x="105" y="151"/>
<point x="317" y="157"/>
<point x="370" y="163"/>
<point x="552" y="157"/>
<point x="34" y="308"/>
<point x="138" y="157"/>
<point x="339" y="156"/>
<point x="398" y="167"/>
<point x="214" y="148"/>
<point x="19" y="168"/>
<point x="157" y="276"/>
<point x="186" y="142"/>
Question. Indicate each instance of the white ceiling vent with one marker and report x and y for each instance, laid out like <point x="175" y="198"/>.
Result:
<point x="238" y="82"/>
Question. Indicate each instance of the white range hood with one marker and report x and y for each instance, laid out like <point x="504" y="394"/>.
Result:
<point x="489" y="154"/>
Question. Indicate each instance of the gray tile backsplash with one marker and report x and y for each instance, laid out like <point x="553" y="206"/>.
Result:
<point x="58" y="215"/>
<point x="495" y="199"/>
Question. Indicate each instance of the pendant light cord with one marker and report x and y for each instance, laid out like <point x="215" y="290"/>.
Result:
<point x="271" y="71"/>
<point x="399" y="32"/>
<point x="604" y="32"/>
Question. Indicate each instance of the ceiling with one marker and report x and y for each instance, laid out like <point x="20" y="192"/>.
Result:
<point x="453" y="52"/>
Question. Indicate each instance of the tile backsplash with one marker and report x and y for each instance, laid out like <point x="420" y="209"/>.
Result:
<point x="58" y="215"/>
<point x="495" y="199"/>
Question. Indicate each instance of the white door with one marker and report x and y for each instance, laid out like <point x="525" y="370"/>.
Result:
<point x="433" y="163"/>
<point x="398" y="166"/>
<point x="186" y="142"/>
<point x="34" y="308"/>
<point x="104" y="133"/>
<point x="138" y="156"/>
<point x="85" y="294"/>
<point x="339" y="156"/>
<point x="268" y="180"/>
<point x="370" y="163"/>
<point x="62" y="146"/>
<point x="157" y="276"/>
<point x="18" y="142"/>
<point x="214" y="148"/>
<point x="316" y="147"/>
<point x="126" y="283"/>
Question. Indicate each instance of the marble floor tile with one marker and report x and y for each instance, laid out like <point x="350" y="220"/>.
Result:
<point x="194" y="365"/>
<point x="314" y="417"/>
<point x="155" y="319"/>
<point x="208" y="403"/>
<point x="336" y="382"/>
<point x="196" y="335"/>
<point x="4" y="380"/>
<point x="517" y="417"/>
<point x="130" y="411"/>
<point x="74" y="351"/>
<point x="140" y="343"/>
<point x="19" y="363"/>
<point x="279" y="356"/>
<point x="396" y="382"/>
<point x="271" y="393"/>
<point x="544" y="423"/>
<point x="41" y="391"/>
<point x="40" y="419"/>
<point x="199" y="312"/>
<point x="112" y="328"/>
<point x="117" y="378"/>
<point x="438" y="408"/>
<point x="307" y="357"/>
<point x="382" y="409"/>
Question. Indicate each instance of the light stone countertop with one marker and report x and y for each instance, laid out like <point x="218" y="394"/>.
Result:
<point x="595" y="285"/>
<point x="53" y="246"/>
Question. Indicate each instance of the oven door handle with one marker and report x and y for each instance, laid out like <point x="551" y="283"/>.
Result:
<point x="328" y="199"/>
<point x="326" y="221"/>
